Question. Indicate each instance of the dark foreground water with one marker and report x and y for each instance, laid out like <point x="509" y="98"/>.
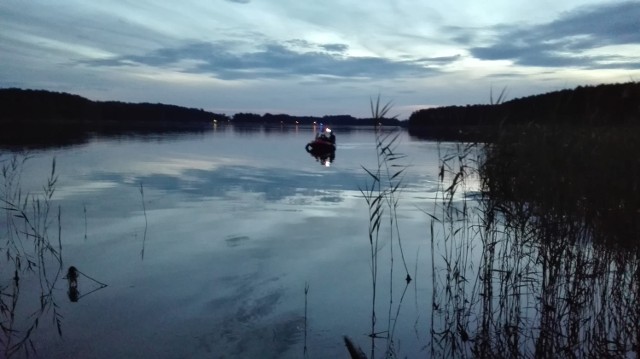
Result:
<point x="237" y="243"/>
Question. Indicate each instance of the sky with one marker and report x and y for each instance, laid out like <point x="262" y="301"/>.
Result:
<point x="329" y="57"/>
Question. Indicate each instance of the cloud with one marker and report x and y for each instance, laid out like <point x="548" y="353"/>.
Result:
<point x="271" y="60"/>
<point x="440" y="60"/>
<point x="570" y="40"/>
<point x="240" y="1"/>
<point x="340" y="48"/>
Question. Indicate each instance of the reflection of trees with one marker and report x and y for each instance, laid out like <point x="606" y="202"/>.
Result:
<point x="547" y="264"/>
<point x="40" y="119"/>
<point x="589" y="175"/>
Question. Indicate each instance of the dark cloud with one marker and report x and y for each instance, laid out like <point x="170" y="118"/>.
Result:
<point x="441" y="60"/>
<point x="335" y="47"/>
<point x="271" y="61"/>
<point x="309" y="46"/>
<point x="560" y="43"/>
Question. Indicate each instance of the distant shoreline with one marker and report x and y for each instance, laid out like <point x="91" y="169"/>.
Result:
<point x="39" y="116"/>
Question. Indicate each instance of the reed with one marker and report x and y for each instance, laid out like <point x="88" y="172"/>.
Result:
<point x="546" y="261"/>
<point x="381" y="193"/>
<point x="305" y="352"/>
<point x="146" y="223"/>
<point x="534" y="238"/>
<point x="31" y="254"/>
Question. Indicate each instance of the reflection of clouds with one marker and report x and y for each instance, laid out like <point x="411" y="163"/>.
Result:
<point x="83" y="188"/>
<point x="179" y="165"/>
<point x="220" y="180"/>
<point x="470" y="183"/>
<point x="321" y="203"/>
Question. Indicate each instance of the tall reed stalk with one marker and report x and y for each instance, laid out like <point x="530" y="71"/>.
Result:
<point x="146" y="222"/>
<point x="382" y="197"/>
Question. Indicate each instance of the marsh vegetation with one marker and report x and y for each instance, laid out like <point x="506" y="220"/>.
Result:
<point x="544" y="260"/>
<point x="539" y="257"/>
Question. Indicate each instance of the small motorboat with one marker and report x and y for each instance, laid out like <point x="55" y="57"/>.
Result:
<point x="324" y="143"/>
<point x="323" y="151"/>
<point x="320" y="146"/>
<point x="323" y="147"/>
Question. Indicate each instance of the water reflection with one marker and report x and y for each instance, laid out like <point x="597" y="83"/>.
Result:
<point x="325" y="158"/>
<point x="32" y="259"/>
<point x="527" y="253"/>
<point x="217" y="207"/>
<point x="73" y="292"/>
<point x="72" y="278"/>
<point x="548" y="264"/>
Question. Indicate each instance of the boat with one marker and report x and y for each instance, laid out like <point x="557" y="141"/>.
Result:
<point x="324" y="143"/>
<point x="323" y="147"/>
<point x="320" y="146"/>
<point x="322" y="150"/>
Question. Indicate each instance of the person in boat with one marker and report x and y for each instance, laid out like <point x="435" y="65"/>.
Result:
<point x="332" y="137"/>
<point x="327" y="135"/>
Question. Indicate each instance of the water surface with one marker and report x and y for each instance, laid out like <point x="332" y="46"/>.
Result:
<point x="207" y="241"/>
<point x="237" y="243"/>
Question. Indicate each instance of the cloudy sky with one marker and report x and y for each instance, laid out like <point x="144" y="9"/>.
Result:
<point x="316" y="57"/>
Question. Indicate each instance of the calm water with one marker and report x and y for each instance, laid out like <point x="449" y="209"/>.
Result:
<point x="207" y="241"/>
<point x="237" y="243"/>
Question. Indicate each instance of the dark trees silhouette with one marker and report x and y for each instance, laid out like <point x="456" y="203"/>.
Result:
<point x="601" y="105"/>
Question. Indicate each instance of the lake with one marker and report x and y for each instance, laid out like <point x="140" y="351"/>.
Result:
<point x="237" y="243"/>
<point x="206" y="242"/>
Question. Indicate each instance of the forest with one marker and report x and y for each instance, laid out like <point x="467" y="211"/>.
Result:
<point x="601" y="105"/>
<point x="25" y="107"/>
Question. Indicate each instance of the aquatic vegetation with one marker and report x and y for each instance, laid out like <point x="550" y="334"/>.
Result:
<point x="146" y="222"/>
<point x="534" y="239"/>
<point x="31" y="245"/>
<point x="382" y="196"/>
<point x="546" y="262"/>
<point x="32" y="257"/>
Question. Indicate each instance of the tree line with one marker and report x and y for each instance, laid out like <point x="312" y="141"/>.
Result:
<point x="606" y="104"/>
<point x="24" y="107"/>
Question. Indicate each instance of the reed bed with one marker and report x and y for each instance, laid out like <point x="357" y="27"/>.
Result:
<point x="534" y="240"/>
<point x="545" y="263"/>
